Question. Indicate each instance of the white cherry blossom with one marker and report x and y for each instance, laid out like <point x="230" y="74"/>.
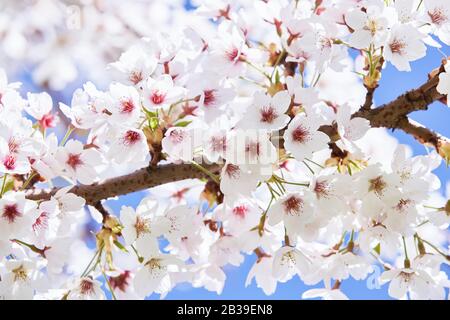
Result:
<point x="78" y="163"/>
<point x="405" y="44"/>
<point x="302" y="137"/>
<point x="270" y="112"/>
<point x="161" y="93"/>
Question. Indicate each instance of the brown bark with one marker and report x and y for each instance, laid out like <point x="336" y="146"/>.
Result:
<point x="136" y="181"/>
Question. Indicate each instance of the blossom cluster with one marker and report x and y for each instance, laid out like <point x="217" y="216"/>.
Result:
<point x="73" y="40"/>
<point x="268" y="91"/>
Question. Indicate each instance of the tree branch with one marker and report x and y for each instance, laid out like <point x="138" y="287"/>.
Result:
<point x="388" y="115"/>
<point x="136" y="181"/>
<point x="394" y="115"/>
<point x="425" y="136"/>
<point x="369" y="98"/>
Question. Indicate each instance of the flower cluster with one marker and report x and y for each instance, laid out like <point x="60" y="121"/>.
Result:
<point x="269" y="92"/>
<point x="71" y="40"/>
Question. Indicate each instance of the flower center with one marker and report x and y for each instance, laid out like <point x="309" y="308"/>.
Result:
<point x="372" y="26"/>
<point x="13" y="145"/>
<point x="11" y="212"/>
<point x="86" y="287"/>
<point x="253" y="148"/>
<point x="232" y="54"/>
<point x="141" y="226"/>
<point x="127" y="106"/>
<point x="240" y="211"/>
<point x="293" y="205"/>
<point x="397" y="46"/>
<point x="158" y="97"/>
<point x="180" y="194"/>
<point x="268" y="114"/>
<point x="131" y="137"/>
<point x="438" y="16"/>
<point x="377" y="185"/>
<point x="136" y="77"/>
<point x="177" y="136"/>
<point x="74" y="160"/>
<point x="300" y="134"/>
<point x="325" y="43"/>
<point x="47" y="121"/>
<point x="403" y="205"/>
<point x="154" y="264"/>
<point x="288" y="259"/>
<point x="210" y="97"/>
<point x="20" y="274"/>
<point x="9" y="162"/>
<point x="218" y="144"/>
<point x="232" y="171"/>
<point x="322" y="189"/>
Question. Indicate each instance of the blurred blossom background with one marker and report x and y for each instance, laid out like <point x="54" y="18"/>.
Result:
<point x="57" y="45"/>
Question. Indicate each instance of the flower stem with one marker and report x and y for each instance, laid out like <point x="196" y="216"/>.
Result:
<point x="67" y="135"/>
<point x="109" y="285"/>
<point x="3" y="185"/>
<point x="27" y="182"/>
<point x="206" y="171"/>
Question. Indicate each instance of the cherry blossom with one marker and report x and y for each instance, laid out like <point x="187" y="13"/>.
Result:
<point x="289" y="262"/>
<point x="438" y="14"/>
<point x="294" y="210"/>
<point x="22" y="279"/>
<point x="40" y="107"/>
<point x="271" y="111"/>
<point x="238" y="132"/>
<point x="125" y="107"/>
<point x="238" y="179"/>
<point x="413" y="281"/>
<point x="404" y="45"/>
<point x="369" y="27"/>
<point x="85" y="289"/>
<point x="78" y="163"/>
<point x="130" y="145"/>
<point x="302" y="137"/>
<point x="240" y="217"/>
<point x="155" y="274"/>
<point x="161" y="93"/>
<point x="17" y="215"/>
<point x="142" y="228"/>
<point x="259" y="272"/>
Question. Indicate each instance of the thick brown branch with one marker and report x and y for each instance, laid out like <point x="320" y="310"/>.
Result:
<point x="139" y="180"/>
<point x="389" y="115"/>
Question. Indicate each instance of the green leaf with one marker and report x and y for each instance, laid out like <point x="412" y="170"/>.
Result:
<point x="182" y="123"/>
<point x="9" y="185"/>
<point x="277" y="77"/>
<point x="150" y="114"/>
<point x="377" y="249"/>
<point x="120" y="246"/>
<point x="153" y="123"/>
